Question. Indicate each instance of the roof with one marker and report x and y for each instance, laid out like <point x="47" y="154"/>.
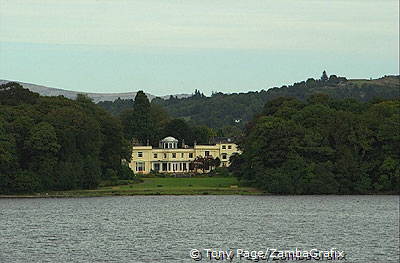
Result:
<point x="222" y="140"/>
<point x="169" y="139"/>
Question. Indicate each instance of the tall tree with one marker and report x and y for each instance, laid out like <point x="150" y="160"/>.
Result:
<point x="137" y="121"/>
<point x="324" y="77"/>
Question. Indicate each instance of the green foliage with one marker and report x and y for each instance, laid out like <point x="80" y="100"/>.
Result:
<point x="137" y="121"/>
<point x="148" y="123"/>
<point x="324" y="77"/>
<point x="179" y="129"/>
<point x="228" y="114"/>
<point x="126" y="173"/>
<point x="8" y="151"/>
<point x="14" y="94"/>
<point x="53" y="143"/>
<point x="116" y="107"/>
<point x="20" y="182"/>
<point x="324" y="146"/>
<point x="221" y="172"/>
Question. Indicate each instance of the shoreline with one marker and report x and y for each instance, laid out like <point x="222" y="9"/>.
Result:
<point x="155" y="187"/>
<point x="166" y="186"/>
<point x="222" y="193"/>
<point x="33" y="196"/>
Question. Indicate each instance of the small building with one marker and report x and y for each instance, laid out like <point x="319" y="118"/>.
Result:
<point x="170" y="157"/>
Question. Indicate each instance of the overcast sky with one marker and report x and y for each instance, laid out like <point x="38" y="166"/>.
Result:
<point x="170" y="46"/>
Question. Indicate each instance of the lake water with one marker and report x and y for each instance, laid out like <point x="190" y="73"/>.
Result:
<point x="167" y="228"/>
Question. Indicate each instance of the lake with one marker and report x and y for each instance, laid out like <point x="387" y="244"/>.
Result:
<point x="167" y="228"/>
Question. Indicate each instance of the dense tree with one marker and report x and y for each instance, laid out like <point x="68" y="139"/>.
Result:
<point x="8" y="156"/>
<point x="229" y="113"/>
<point x="203" y="134"/>
<point x="179" y="129"/>
<point x="117" y="106"/>
<point x="43" y="147"/>
<point x="138" y="122"/>
<point x="14" y="94"/>
<point x="149" y="122"/>
<point x="324" y="146"/>
<point x="53" y="143"/>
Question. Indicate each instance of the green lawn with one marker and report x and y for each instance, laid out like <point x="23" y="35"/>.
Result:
<point x="197" y="182"/>
<point x="166" y="186"/>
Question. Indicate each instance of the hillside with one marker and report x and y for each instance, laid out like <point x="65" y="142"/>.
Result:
<point x="97" y="97"/>
<point x="233" y="110"/>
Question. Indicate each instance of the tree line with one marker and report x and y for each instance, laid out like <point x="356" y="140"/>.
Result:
<point x="322" y="146"/>
<point x="54" y="143"/>
<point x="227" y="114"/>
<point x="147" y="123"/>
<point x="309" y="143"/>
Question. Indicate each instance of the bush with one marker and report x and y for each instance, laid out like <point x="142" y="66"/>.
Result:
<point x="126" y="173"/>
<point x="21" y="182"/>
<point x="221" y="171"/>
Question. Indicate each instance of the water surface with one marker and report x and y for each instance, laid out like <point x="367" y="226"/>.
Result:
<point x="166" y="228"/>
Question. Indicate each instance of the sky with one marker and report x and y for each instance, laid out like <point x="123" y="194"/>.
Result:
<point x="176" y="46"/>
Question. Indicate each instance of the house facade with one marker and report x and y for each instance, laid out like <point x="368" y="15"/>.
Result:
<point x="174" y="157"/>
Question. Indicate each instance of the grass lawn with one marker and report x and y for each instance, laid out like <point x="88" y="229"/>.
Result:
<point x="164" y="186"/>
<point x="196" y="185"/>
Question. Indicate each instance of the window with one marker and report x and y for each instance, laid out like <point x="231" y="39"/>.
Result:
<point x="224" y="147"/>
<point x="182" y="155"/>
<point x="207" y="153"/>
<point x="224" y="155"/>
<point x="156" y="167"/>
<point x="190" y="155"/>
<point x="140" y="154"/>
<point x="164" y="167"/>
<point x="184" y="166"/>
<point x="165" y="155"/>
<point x="173" y="155"/>
<point x="140" y="166"/>
<point x="155" y="156"/>
<point x="229" y="147"/>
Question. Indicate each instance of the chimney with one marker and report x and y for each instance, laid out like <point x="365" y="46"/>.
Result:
<point x="195" y="143"/>
<point x="148" y="142"/>
<point x="183" y="143"/>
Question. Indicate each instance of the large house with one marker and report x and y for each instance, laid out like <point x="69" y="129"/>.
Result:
<point x="170" y="157"/>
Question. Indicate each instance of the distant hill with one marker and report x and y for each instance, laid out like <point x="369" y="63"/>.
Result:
<point x="230" y="112"/>
<point x="234" y="110"/>
<point x="97" y="97"/>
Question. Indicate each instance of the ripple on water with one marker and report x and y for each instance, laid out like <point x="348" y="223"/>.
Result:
<point x="165" y="228"/>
